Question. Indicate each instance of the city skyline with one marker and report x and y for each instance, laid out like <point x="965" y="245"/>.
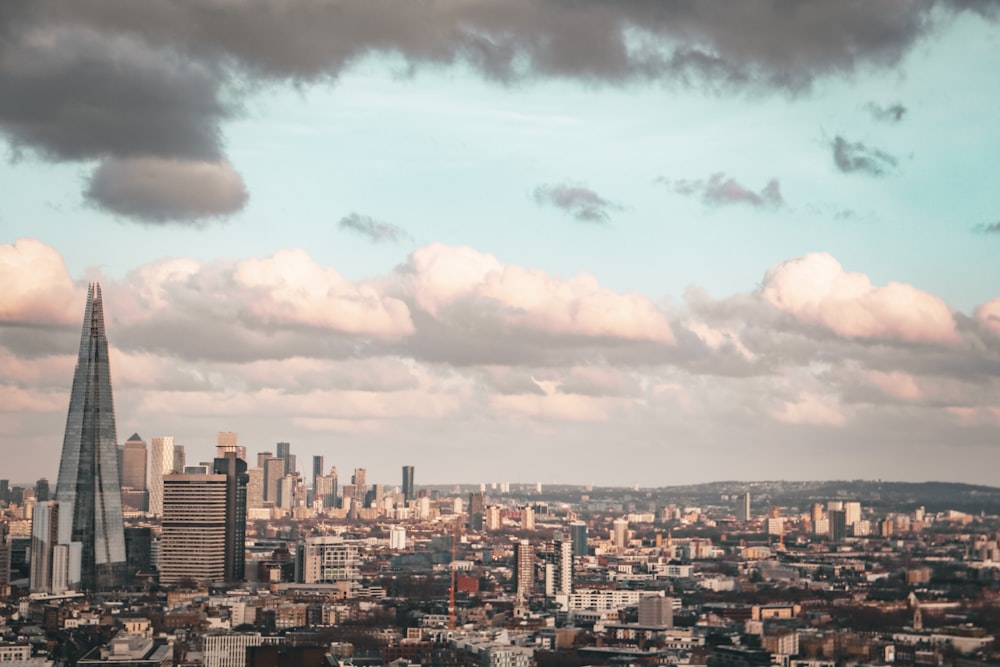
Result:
<point x="559" y="243"/>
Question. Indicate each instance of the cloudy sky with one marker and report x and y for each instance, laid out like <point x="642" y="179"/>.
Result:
<point x="531" y="240"/>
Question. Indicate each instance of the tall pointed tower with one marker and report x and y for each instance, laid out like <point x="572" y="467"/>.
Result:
<point x="88" y="491"/>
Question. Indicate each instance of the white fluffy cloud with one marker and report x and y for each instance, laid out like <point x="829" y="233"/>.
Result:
<point x="439" y="276"/>
<point x="816" y="289"/>
<point x="36" y="285"/>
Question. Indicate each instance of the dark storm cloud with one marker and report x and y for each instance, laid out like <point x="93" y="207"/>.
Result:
<point x="892" y="113"/>
<point x="167" y="191"/>
<point x="851" y="157"/>
<point x="97" y="79"/>
<point x="722" y="190"/>
<point x="372" y="229"/>
<point x="582" y="203"/>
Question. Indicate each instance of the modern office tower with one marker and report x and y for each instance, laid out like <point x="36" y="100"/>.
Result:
<point x="620" y="533"/>
<point x="255" y="488"/>
<point x="563" y="545"/>
<point x="226" y="442"/>
<point x="328" y="558"/>
<point x="284" y="450"/>
<point x="528" y="518"/>
<point x="578" y="533"/>
<point x="134" y="463"/>
<point x="656" y="610"/>
<point x="274" y="470"/>
<point x="235" y="470"/>
<point x="4" y="560"/>
<point x="317" y="470"/>
<point x="360" y="484"/>
<point x="4" y="490"/>
<point x="90" y="501"/>
<point x="477" y="508"/>
<point x="397" y="537"/>
<point x="286" y="493"/>
<point x="408" y="488"/>
<point x="44" y="537"/>
<point x="180" y="460"/>
<point x="161" y="463"/>
<point x="139" y="549"/>
<point x="42" y="490"/>
<point x="193" y="542"/>
<point x="524" y="573"/>
<point x="262" y="457"/>
<point x="325" y="492"/>
<point x="838" y="525"/>
<point x="743" y="507"/>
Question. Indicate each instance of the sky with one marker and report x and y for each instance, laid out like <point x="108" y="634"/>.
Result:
<point x="528" y="241"/>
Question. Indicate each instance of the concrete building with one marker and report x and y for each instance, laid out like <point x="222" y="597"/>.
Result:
<point x="230" y="649"/>
<point x="397" y="537"/>
<point x="409" y="491"/>
<point x="578" y="533"/>
<point x="329" y="558"/>
<point x="134" y="463"/>
<point x="193" y="543"/>
<point x="524" y="574"/>
<point x="655" y="610"/>
<point x="743" y="507"/>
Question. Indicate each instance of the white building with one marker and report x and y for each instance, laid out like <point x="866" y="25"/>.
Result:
<point x="329" y="558"/>
<point x="161" y="463"/>
<point x="397" y="538"/>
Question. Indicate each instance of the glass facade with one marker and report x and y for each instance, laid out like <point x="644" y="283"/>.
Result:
<point x="88" y="491"/>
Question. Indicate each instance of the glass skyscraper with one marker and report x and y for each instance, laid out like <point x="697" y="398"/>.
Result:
<point x="88" y="491"/>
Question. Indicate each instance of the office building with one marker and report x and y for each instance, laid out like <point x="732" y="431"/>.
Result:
<point x="193" y="543"/>
<point x="743" y="507"/>
<point x="317" y="470"/>
<point x="227" y="442"/>
<point x="89" y="495"/>
<point x="620" y="533"/>
<point x="255" y="488"/>
<point x="42" y="492"/>
<point x="4" y="490"/>
<point x="359" y="485"/>
<point x="235" y="470"/>
<point x="286" y="492"/>
<point x="4" y="559"/>
<point x="161" y="462"/>
<point x="325" y="493"/>
<point x="284" y="452"/>
<point x="528" y="518"/>
<point x="139" y="550"/>
<point x="134" y="463"/>
<point x="578" y="533"/>
<point x="408" y="488"/>
<point x="274" y="470"/>
<point x="44" y="538"/>
<point x="837" y="525"/>
<point x="180" y="460"/>
<point x="397" y="537"/>
<point x="477" y="507"/>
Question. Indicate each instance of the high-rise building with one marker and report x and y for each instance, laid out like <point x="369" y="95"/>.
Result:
<point x="274" y="470"/>
<point x="408" y="488"/>
<point x="656" y="610"/>
<point x="180" y="460"/>
<point x="44" y="537"/>
<point x="42" y="491"/>
<point x="262" y="457"/>
<point x="620" y="533"/>
<point x="360" y="484"/>
<point x="4" y="490"/>
<point x="325" y="492"/>
<point x="161" y="463"/>
<point x="528" y="518"/>
<point x="193" y="543"/>
<point x="578" y="533"/>
<point x="286" y="492"/>
<point x="134" y="463"/>
<point x="838" y="525"/>
<point x="4" y="560"/>
<point x="743" y="507"/>
<point x="397" y="537"/>
<point x="524" y="573"/>
<point x="329" y="558"/>
<point x="88" y="491"/>
<point x="317" y="470"/>
<point x="563" y="546"/>
<point x="284" y="452"/>
<point x="235" y="470"/>
<point x="255" y="488"/>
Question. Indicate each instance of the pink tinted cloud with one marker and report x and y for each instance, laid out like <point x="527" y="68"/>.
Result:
<point x="438" y="276"/>
<point x="816" y="289"/>
<point x="290" y="287"/>
<point x="989" y="314"/>
<point x="36" y="286"/>
<point x="810" y="409"/>
<point x="897" y="385"/>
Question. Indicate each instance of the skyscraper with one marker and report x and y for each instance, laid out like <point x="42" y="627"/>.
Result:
<point x="743" y="507"/>
<point x="161" y="463"/>
<point x="194" y="528"/>
<point x="578" y="533"/>
<point x="90" y="502"/>
<point x="284" y="450"/>
<point x="235" y="470"/>
<point x="317" y="469"/>
<point x="524" y="572"/>
<point x="134" y="463"/>
<point x="408" y="493"/>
